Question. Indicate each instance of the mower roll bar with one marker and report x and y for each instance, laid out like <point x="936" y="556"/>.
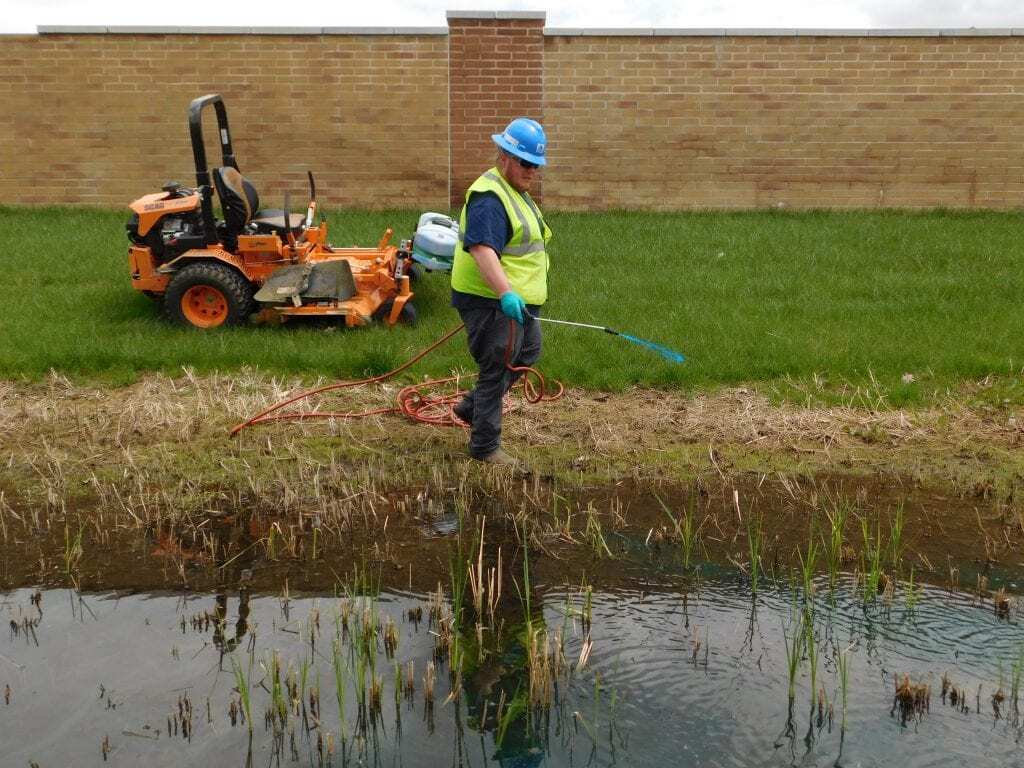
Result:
<point x="195" y="128"/>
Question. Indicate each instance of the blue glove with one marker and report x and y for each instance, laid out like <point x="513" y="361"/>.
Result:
<point x="513" y="306"/>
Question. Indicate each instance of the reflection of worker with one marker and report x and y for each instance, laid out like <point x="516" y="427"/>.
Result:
<point x="502" y="674"/>
<point x="498" y="275"/>
<point x="225" y="644"/>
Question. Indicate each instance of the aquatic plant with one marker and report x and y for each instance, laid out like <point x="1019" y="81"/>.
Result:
<point x="587" y="610"/>
<point x="585" y="651"/>
<point x="242" y="684"/>
<point x="794" y="648"/>
<point x="545" y="663"/>
<point x="911" y="592"/>
<point x="807" y="563"/>
<point x="279" y="706"/>
<point x="72" y="547"/>
<point x="896" y="538"/>
<point x="686" y="529"/>
<point x="871" y="561"/>
<point x="485" y="584"/>
<point x="999" y="696"/>
<point x="593" y="533"/>
<point x="837" y="514"/>
<point x="811" y="647"/>
<point x="1002" y="603"/>
<point x="910" y="699"/>
<point x="507" y="714"/>
<point x="390" y="637"/>
<point x="339" y="682"/>
<point x="428" y="683"/>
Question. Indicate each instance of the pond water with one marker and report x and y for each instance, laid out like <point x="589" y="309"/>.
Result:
<point x="659" y="669"/>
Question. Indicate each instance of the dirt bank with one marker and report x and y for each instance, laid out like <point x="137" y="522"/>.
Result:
<point x="168" y="438"/>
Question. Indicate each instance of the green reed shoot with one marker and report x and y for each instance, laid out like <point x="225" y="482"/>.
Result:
<point x="807" y="563"/>
<point x="339" y="682"/>
<point x="896" y="538"/>
<point x="594" y="535"/>
<point x="834" y="545"/>
<point x="515" y="708"/>
<point x="277" y="698"/>
<point x="242" y="684"/>
<point x="359" y="677"/>
<point x="458" y="566"/>
<point x="686" y="529"/>
<point x="912" y="593"/>
<point x="526" y="585"/>
<point x="811" y="646"/>
<point x="871" y="560"/>
<point x="755" y="537"/>
<point x="72" y="547"/>
<point x="794" y="649"/>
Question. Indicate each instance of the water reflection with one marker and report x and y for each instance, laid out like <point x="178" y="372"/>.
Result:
<point x="691" y="672"/>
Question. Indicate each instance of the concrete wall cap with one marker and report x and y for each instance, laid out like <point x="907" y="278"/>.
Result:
<point x="385" y="30"/>
<point x="496" y="15"/>
<point x="789" y="32"/>
<point x="62" y="29"/>
<point x="609" y="32"/>
<point x="977" y="32"/>
<point x="151" y="30"/>
<point x="687" y="32"/>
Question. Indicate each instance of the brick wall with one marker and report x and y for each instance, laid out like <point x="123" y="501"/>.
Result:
<point x="101" y="118"/>
<point x="647" y="119"/>
<point x="738" y="121"/>
<point x="496" y="74"/>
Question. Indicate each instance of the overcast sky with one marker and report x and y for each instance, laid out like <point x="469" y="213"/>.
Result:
<point x="24" y="15"/>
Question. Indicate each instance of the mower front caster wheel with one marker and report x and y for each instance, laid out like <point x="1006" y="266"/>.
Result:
<point x="208" y="295"/>
<point x="406" y="315"/>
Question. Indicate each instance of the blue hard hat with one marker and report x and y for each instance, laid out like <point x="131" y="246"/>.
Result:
<point x="523" y="138"/>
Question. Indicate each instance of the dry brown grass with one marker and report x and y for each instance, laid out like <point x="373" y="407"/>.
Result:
<point x="167" y="438"/>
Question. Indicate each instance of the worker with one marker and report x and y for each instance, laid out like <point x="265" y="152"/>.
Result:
<point x="499" y="280"/>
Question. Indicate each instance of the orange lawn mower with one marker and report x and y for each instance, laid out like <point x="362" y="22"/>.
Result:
<point x="269" y="264"/>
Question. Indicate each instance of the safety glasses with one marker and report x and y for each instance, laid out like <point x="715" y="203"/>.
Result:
<point x="526" y="164"/>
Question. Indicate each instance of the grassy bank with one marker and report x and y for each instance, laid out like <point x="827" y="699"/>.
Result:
<point x="832" y="306"/>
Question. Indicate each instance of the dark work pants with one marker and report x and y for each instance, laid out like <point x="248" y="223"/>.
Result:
<point x="488" y="331"/>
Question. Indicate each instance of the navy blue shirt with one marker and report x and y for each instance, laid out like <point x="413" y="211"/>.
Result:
<point x="486" y="224"/>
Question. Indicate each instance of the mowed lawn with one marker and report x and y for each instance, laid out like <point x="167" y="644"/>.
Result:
<point x="782" y="298"/>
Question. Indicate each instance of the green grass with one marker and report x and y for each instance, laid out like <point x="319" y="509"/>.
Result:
<point x="856" y="298"/>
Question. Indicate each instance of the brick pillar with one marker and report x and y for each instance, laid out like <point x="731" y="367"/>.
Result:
<point x="495" y="73"/>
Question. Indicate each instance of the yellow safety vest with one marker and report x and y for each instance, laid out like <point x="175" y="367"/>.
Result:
<point x="524" y="259"/>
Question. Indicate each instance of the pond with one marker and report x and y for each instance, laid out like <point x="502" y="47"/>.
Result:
<point x="656" y="667"/>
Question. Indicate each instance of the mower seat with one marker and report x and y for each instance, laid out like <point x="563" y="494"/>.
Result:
<point x="271" y="221"/>
<point x="240" y="203"/>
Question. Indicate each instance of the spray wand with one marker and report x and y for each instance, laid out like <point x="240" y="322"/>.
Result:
<point x="669" y="354"/>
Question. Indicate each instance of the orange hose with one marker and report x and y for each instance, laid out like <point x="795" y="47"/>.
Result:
<point x="413" y="401"/>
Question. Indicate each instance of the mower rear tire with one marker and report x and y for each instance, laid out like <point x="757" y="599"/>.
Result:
<point x="208" y="295"/>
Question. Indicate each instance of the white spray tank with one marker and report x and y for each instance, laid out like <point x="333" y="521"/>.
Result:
<point x="434" y="243"/>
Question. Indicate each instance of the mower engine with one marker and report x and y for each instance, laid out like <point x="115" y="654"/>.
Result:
<point x="168" y="223"/>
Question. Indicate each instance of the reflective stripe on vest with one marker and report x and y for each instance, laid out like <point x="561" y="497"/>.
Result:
<point x="524" y="258"/>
